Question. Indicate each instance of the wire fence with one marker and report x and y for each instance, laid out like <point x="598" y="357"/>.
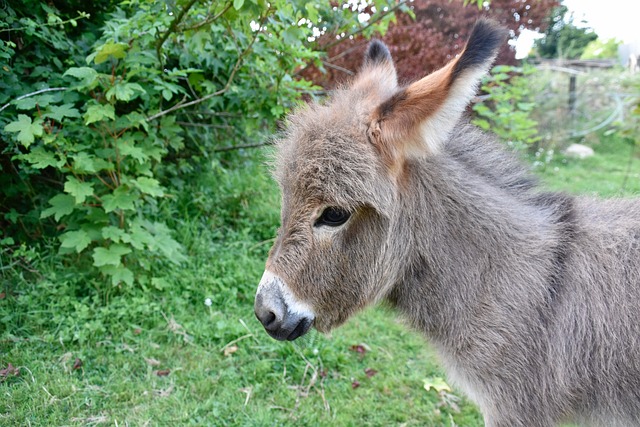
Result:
<point x="574" y="104"/>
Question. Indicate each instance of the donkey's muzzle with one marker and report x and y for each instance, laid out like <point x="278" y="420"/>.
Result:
<point x="282" y="317"/>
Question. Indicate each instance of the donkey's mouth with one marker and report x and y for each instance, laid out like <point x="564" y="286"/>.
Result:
<point x="290" y="331"/>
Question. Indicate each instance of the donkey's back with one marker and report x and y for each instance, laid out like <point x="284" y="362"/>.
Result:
<point x="547" y="327"/>
<point x="596" y="335"/>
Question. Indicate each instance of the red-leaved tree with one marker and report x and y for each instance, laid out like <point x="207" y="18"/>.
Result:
<point x="427" y="42"/>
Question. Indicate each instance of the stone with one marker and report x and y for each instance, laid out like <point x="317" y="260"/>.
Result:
<point x="578" y="151"/>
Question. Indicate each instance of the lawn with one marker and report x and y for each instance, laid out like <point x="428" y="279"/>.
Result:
<point x="187" y="350"/>
<point x="613" y="172"/>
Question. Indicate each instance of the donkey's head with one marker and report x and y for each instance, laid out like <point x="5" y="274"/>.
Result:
<point x="341" y="168"/>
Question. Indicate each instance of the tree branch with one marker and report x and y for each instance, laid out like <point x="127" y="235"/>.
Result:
<point x="51" y="89"/>
<point x="81" y="15"/>
<point x="346" y="51"/>
<point x="173" y="27"/>
<point x="203" y="125"/>
<point x="226" y="87"/>
<point x="209" y="20"/>
<point x="339" y="68"/>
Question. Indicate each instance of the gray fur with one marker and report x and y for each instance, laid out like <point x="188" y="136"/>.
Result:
<point x="531" y="298"/>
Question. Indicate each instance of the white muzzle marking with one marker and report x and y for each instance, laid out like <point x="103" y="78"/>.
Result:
<point x="293" y="305"/>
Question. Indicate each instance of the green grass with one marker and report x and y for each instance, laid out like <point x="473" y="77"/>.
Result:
<point x="222" y="369"/>
<point x="613" y="172"/>
<point x="260" y="383"/>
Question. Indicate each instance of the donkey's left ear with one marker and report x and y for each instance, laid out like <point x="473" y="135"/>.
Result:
<point x="377" y="76"/>
<point x="416" y="120"/>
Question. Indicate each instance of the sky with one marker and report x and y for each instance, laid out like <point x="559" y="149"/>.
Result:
<point x="608" y="18"/>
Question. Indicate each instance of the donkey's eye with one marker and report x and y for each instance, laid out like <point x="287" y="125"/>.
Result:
<point x="333" y="217"/>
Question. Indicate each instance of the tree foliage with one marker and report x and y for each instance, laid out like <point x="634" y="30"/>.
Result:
<point x="599" y="49"/>
<point x="108" y="112"/>
<point x="562" y="38"/>
<point x="429" y="33"/>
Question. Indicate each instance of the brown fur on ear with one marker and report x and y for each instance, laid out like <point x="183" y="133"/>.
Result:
<point x="398" y="118"/>
<point x="417" y="119"/>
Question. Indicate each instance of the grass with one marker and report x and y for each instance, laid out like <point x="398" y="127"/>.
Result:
<point x="613" y="172"/>
<point x="258" y="383"/>
<point x="161" y="356"/>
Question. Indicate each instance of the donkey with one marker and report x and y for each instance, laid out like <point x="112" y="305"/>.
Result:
<point x="531" y="298"/>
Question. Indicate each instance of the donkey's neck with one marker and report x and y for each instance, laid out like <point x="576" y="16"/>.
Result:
<point x="477" y="229"/>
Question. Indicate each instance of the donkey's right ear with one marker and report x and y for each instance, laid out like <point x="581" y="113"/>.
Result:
<point x="418" y="119"/>
<point x="377" y="74"/>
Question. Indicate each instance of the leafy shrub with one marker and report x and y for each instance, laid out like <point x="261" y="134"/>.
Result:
<point x="506" y="107"/>
<point x="108" y="115"/>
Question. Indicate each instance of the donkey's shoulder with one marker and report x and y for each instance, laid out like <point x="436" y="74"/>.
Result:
<point x="482" y="155"/>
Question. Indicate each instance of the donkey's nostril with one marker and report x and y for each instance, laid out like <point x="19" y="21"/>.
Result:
<point x="269" y="318"/>
<point x="270" y="310"/>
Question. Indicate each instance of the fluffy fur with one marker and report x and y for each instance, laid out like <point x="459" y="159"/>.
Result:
<point x="532" y="298"/>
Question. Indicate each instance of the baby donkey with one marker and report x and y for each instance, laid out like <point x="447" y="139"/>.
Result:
<point x="531" y="298"/>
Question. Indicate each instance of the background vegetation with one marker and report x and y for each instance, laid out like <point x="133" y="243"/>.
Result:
<point x="136" y="213"/>
<point x="563" y="38"/>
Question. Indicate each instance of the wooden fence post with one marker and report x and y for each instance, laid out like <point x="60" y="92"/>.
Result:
<point x="572" y="95"/>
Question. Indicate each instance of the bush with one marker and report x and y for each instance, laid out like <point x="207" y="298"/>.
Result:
<point x="507" y="105"/>
<point x="108" y="114"/>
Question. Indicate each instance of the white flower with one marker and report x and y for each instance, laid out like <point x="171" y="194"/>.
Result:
<point x="208" y="302"/>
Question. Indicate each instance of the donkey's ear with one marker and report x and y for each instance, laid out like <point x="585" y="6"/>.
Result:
<point x="377" y="76"/>
<point x="377" y="53"/>
<point x="419" y="118"/>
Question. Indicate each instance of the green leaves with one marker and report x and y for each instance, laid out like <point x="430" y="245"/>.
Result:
<point x="59" y="112"/>
<point x="507" y="110"/>
<point x="78" y="189"/>
<point x="118" y="274"/>
<point x="128" y="148"/>
<point x="293" y="35"/>
<point x="124" y="91"/>
<point x="86" y="75"/>
<point x="76" y="240"/>
<point x="312" y="11"/>
<point x="121" y="198"/>
<point x="40" y="158"/>
<point x="478" y="3"/>
<point x="61" y="205"/>
<point x="110" y="256"/>
<point x="84" y="163"/>
<point x="115" y="234"/>
<point x="110" y="49"/>
<point x="149" y="186"/>
<point x="99" y="112"/>
<point x="25" y="128"/>
<point x="138" y="118"/>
